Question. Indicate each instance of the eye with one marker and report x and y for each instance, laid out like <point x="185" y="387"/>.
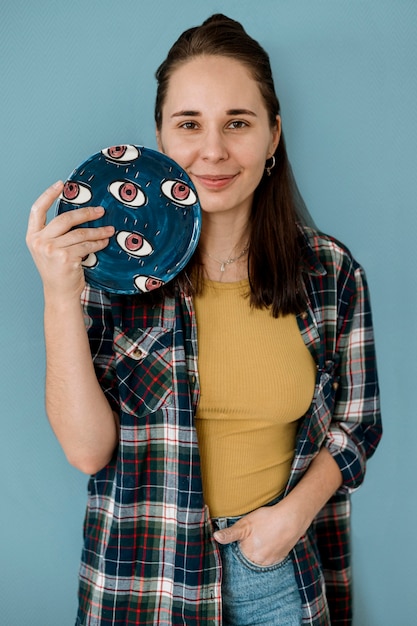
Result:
<point x="147" y="283"/>
<point x="122" y="154"/>
<point x="237" y="124"/>
<point x="90" y="260"/>
<point x="189" y="125"/>
<point x="128" y="193"/>
<point x="76" y="193"/>
<point x="178" y="192"/>
<point x="134" y="243"/>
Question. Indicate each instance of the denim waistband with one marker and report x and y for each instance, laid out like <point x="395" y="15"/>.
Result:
<point x="224" y="522"/>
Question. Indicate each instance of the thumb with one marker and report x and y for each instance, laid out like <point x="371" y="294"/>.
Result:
<point x="229" y="535"/>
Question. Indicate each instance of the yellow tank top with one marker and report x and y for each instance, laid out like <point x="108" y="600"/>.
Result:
<point x="257" y="379"/>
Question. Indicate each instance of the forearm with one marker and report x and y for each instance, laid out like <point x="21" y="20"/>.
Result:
<point x="322" y="479"/>
<point x="77" y="408"/>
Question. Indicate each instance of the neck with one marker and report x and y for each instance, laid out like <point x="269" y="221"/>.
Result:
<point x="224" y="245"/>
<point x="222" y="236"/>
<point x="226" y="264"/>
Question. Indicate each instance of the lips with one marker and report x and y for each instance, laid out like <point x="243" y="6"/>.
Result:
<point x="218" y="181"/>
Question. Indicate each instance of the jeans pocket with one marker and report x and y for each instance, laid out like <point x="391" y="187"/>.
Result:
<point x="241" y="556"/>
<point x="256" y="595"/>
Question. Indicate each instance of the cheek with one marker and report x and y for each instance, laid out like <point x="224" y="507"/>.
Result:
<point x="256" y="163"/>
<point x="178" y="152"/>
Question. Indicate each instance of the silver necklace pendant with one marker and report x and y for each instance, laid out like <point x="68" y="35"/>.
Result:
<point x="228" y="261"/>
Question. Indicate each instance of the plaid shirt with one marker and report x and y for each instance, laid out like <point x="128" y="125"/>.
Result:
<point x="149" y="556"/>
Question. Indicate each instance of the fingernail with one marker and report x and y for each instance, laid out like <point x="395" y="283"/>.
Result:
<point x="57" y="185"/>
<point x="98" y="209"/>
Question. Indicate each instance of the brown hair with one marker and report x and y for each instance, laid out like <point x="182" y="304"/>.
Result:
<point x="274" y="260"/>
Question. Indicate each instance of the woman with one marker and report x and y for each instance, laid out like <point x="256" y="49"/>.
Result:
<point x="224" y="499"/>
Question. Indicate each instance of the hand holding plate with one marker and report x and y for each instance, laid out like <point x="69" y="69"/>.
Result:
<point x="58" y="248"/>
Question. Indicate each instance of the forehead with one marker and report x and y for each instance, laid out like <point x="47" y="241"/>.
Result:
<point x="212" y="78"/>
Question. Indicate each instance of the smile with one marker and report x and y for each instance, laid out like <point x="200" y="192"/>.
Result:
<point x="215" y="182"/>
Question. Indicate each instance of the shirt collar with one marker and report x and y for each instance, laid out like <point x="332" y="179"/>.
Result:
<point x="311" y="263"/>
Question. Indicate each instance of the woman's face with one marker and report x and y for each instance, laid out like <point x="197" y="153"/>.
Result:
<point x="215" y="125"/>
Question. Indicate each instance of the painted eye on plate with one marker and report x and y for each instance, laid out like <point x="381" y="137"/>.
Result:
<point x="147" y="283"/>
<point x="76" y="193"/>
<point x="178" y="192"/>
<point x="121" y="154"/>
<point x="90" y="260"/>
<point x="128" y="193"/>
<point x="133" y="243"/>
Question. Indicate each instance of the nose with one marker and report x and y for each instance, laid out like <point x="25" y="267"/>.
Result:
<point x="214" y="146"/>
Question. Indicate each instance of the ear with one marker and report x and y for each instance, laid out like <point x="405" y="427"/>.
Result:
<point x="276" y="135"/>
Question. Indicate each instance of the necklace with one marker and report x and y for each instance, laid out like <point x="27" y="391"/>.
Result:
<point x="225" y="262"/>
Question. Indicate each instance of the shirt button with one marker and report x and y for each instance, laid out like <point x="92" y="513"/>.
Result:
<point x="303" y="315"/>
<point x="335" y="386"/>
<point x="137" y="353"/>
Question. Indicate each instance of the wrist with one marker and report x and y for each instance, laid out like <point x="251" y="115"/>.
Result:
<point x="63" y="314"/>
<point x="295" y="511"/>
<point x="58" y="302"/>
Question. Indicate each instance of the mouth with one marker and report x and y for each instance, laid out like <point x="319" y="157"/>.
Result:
<point x="218" y="181"/>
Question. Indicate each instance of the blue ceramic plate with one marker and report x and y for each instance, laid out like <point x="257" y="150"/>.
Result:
<point x="153" y="205"/>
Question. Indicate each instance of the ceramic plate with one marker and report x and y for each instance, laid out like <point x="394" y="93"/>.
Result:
<point x="153" y="205"/>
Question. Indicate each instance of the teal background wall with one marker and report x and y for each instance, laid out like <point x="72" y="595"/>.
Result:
<point x="78" y="76"/>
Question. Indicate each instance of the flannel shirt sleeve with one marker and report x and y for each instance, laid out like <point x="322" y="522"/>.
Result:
<point x="99" y="324"/>
<point x="356" y="427"/>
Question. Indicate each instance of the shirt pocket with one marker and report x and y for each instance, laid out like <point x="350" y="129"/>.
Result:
<point x="144" y="369"/>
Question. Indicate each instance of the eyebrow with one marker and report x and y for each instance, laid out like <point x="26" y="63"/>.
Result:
<point x="191" y="113"/>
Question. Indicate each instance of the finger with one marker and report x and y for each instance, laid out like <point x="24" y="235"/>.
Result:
<point x="40" y="207"/>
<point x="82" y="236"/>
<point x="69" y="220"/>
<point x="76" y="254"/>
<point x="228" y="535"/>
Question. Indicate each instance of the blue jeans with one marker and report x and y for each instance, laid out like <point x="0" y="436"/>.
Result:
<point x="253" y="594"/>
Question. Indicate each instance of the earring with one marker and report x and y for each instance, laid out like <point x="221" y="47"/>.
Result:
<point x="268" y="168"/>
